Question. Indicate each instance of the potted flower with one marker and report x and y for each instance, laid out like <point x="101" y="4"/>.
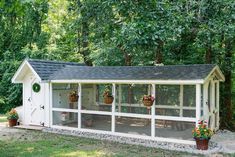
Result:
<point x="108" y="97"/>
<point x="88" y="120"/>
<point x="148" y="100"/>
<point x="202" y="135"/>
<point x="73" y="96"/>
<point x="12" y="117"/>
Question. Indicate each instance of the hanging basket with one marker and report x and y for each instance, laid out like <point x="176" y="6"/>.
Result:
<point x="148" y="103"/>
<point x="108" y="99"/>
<point x="201" y="143"/>
<point x="73" y="97"/>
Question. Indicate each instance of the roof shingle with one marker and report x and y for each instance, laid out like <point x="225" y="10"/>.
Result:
<point x="51" y="70"/>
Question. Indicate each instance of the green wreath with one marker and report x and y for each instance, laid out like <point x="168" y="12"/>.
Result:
<point x="36" y="87"/>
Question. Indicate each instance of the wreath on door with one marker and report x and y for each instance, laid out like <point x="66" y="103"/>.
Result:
<point x="36" y="87"/>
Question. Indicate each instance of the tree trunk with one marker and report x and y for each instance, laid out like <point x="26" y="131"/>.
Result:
<point x="127" y="59"/>
<point x="85" y="43"/>
<point x="227" y="111"/>
<point x="159" y="52"/>
<point x="208" y="56"/>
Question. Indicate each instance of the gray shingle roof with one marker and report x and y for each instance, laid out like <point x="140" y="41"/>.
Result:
<point x="50" y="70"/>
<point x="45" y="68"/>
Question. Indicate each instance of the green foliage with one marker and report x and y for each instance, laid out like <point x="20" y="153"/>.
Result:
<point x="104" y="32"/>
<point x="12" y="114"/>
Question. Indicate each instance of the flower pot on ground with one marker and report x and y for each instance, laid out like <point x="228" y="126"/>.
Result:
<point x="148" y="100"/>
<point x="12" y="118"/>
<point x="73" y="96"/>
<point x="88" y="120"/>
<point x="202" y="135"/>
<point x="108" y="98"/>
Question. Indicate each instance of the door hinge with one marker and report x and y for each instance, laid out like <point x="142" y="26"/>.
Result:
<point x="42" y="107"/>
<point x="42" y="123"/>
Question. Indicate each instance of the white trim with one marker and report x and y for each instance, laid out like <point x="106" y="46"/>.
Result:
<point x="132" y="115"/>
<point x="205" y="101"/>
<point x="198" y="103"/>
<point x="212" y="71"/>
<point x="172" y="118"/>
<point x="176" y="107"/>
<point x="65" y="110"/>
<point x="96" y="112"/>
<point x="153" y="112"/>
<point x="50" y="104"/>
<point x="25" y="62"/>
<point x="213" y="100"/>
<point x="79" y="105"/>
<point x="162" y="139"/>
<point x="217" y="104"/>
<point x="181" y="99"/>
<point x="113" y="108"/>
<point x="170" y="82"/>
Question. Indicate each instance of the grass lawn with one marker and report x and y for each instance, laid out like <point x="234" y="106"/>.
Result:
<point x="3" y="118"/>
<point x="38" y="144"/>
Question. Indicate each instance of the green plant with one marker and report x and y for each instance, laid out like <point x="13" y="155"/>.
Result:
<point x="107" y="92"/>
<point x="202" y="131"/>
<point x="148" y="98"/>
<point x="12" y="114"/>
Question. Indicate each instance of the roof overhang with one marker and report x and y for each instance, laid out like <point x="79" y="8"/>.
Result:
<point x="22" y="71"/>
<point x="132" y="81"/>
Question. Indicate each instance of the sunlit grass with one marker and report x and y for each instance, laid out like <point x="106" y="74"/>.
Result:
<point x="3" y="118"/>
<point x="39" y="144"/>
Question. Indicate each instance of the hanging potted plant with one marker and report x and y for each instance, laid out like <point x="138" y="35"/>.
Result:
<point x="148" y="100"/>
<point x="73" y="96"/>
<point x="108" y="98"/>
<point x="12" y="117"/>
<point x="202" y="135"/>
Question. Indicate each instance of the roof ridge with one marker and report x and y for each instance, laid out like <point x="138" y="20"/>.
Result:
<point x="54" y="61"/>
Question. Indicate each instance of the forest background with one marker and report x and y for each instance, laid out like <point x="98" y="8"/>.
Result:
<point x="118" y="32"/>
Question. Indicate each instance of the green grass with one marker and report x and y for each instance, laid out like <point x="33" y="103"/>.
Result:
<point x="38" y="144"/>
<point x="3" y="118"/>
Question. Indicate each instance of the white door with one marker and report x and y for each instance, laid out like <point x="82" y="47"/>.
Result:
<point x="36" y="105"/>
<point x="212" y="106"/>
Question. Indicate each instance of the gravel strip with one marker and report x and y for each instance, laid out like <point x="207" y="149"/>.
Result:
<point x="213" y="146"/>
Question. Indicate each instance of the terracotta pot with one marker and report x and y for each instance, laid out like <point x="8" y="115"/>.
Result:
<point x="108" y="99"/>
<point x="73" y="98"/>
<point x="202" y="144"/>
<point x="12" y="122"/>
<point x="88" y="123"/>
<point x="148" y="103"/>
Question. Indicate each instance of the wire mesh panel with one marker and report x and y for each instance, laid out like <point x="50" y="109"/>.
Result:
<point x="68" y="119"/>
<point x="167" y="100"/>
<point x="174" y="129"/>
<point x="65" y="96"/>
<point x="96" y="122"/>
<point x="137" y="126"/>
<point x="189" y="95"/>
<point x="93" y="97"/>
<point x="129" y="98"/>
<point x="175" y="100"/>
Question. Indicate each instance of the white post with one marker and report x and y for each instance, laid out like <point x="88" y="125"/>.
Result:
<point x="113" y="108"/>
<point x="218" y="105"/>
<point x="205" y="101"/>
<point x="181" y="98"/>
<point x="198" y="103"/>
<point x="213" y="105"/>
<point x="50" y="104"/>
<point x="153" y="112"/>
<point x="79" y="105"/>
